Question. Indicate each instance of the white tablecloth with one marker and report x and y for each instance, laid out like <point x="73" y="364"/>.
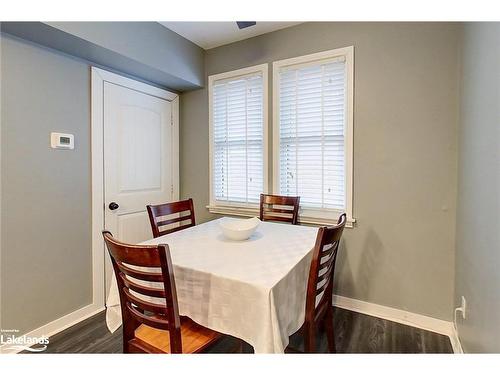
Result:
<point x="254" y="289"/>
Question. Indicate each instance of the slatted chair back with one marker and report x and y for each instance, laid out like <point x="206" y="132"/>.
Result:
<point x="136" y="310"/>
<point x="183" y="211"/>
<point x="279" y="208"/>
<point x="321" y="273"/>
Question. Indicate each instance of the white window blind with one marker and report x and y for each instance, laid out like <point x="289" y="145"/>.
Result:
<point x="312" y="124"/>
<point x="238" y="146"/>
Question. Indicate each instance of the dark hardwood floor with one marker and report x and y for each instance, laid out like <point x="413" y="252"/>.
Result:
<point x="354" y="333"/>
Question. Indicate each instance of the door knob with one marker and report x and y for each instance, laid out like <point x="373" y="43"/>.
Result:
<point x="113" y="206"/>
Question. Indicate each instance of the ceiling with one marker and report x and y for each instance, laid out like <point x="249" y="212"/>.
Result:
<point x="214" y="34"/>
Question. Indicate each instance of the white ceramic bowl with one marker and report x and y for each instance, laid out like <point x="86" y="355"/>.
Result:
<point x="239" y="229"/>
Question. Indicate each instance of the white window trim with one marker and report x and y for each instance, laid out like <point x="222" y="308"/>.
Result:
<point x="320" y="216"/>
<point x="238" y="209"/>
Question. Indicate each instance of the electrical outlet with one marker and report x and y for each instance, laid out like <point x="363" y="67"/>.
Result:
<point x="463" y="307"/>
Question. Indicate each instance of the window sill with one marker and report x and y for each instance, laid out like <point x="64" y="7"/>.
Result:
<point x="251" y="212"/>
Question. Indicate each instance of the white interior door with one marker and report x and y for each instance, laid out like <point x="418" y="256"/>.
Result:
<point x="138" y="161"/>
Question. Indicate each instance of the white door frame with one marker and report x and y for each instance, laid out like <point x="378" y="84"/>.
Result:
<point x="99" y="76"/>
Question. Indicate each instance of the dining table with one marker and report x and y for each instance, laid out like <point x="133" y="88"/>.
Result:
<point x="253" y="289"/>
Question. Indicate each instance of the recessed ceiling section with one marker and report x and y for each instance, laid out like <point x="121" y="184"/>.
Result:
<point x="214" y="34"/>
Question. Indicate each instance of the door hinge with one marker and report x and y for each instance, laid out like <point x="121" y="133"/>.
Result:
<point x="172" y="189"/>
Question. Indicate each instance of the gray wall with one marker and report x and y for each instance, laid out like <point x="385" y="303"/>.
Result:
<point x="406" y="111"/>
<point x="141" y="49"/>
<point x="46" y="269"/>
<point x="147" y="42"/>
<point x="46" y="234"/>
<point x="401" y="253"/>
<point x="478" y="230"/>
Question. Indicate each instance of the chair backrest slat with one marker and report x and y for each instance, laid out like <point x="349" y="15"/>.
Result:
<point x="321" y="273"/>
<point x="321" y="288"/>
<point x="141" y="275"/>
<point x="325" y="275"/>
<point x="156" y="212"/>
<point x="277" y="218"/>
<point x="145" y="305"/>
<point x="134" y="289"/>
<point x="173" y="221"/>
<point x="279" y="208"/>
<point x="142" y="289"/>
<point x="141" y="318"/>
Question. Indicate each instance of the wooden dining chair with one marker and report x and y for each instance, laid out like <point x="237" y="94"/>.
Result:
<point x="152" y="327"/>
<point x="319" y="309"/>
<point x="288" y="211"/>
<point x="156" y="212"/>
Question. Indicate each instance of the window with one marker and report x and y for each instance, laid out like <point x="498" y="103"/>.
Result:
<point x="313" y="133"/>
<point x="238" y="139"/>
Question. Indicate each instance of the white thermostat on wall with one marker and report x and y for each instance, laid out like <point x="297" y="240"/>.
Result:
<point x="61" y="140"/>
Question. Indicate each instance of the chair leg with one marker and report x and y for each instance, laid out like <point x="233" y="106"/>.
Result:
<point x="309" y="338"/>
<point x="328" y="323"/>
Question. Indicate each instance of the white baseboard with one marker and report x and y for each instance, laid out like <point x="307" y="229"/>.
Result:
<point x="443" y="327"/>
<point x="400" y="316"/>
<point x="60" y="324"/>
